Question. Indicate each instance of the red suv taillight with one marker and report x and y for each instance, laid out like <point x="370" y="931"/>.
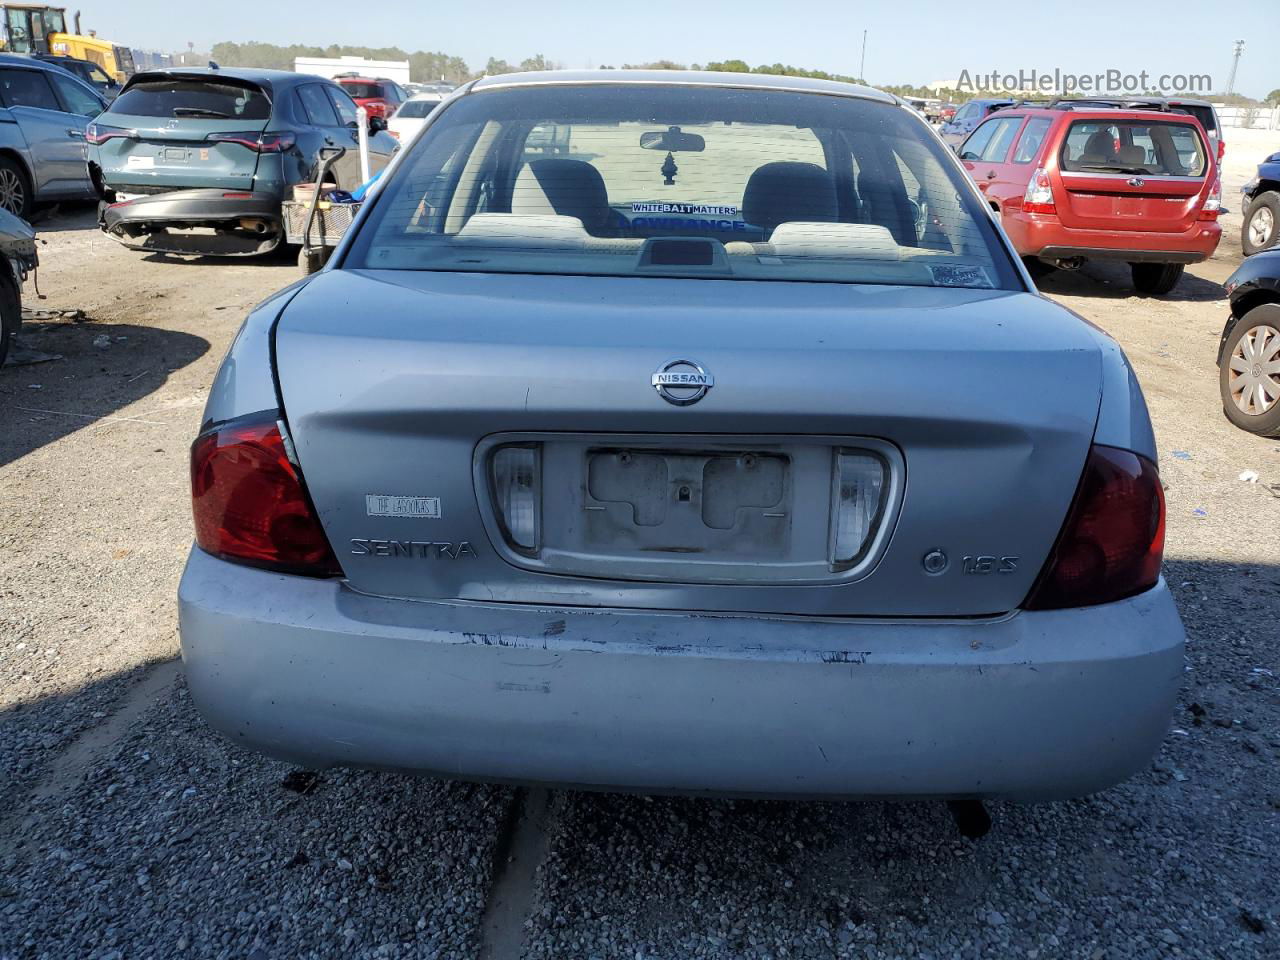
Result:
<point x="1039" y="195"/>
<point x="1212" y="208"/>
<point x="258" y="142"/>
<point x="1112" y="543"/>
<point x="249" y="502"/>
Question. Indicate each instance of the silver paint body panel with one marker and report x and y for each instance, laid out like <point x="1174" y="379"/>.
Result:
<point x="1030" y="706"/>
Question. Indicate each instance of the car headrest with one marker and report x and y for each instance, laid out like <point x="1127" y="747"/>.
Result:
<point x="1100" y="144"/>
<point x="1132" y="155"/>
<point x="784" y="190"/>
<point x="567" y="188"/>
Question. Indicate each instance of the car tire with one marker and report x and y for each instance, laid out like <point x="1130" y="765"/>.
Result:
<point x="15" y="188"/>
<point x="1240" y="408"/>
<point x="10" y="316"/>
<point x="1156" y="278"/>
<point x="310" y="260"/>
<point x="1261" y="227"/>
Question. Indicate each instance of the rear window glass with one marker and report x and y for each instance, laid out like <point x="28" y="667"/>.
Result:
<point x="362" y="91"/>
<point x="1134" y="146"/>
<point x="1203" y="114"/>
<point x="192" y="98"/>
<point x="416" y="109"/>
<point x="683" y="181"/>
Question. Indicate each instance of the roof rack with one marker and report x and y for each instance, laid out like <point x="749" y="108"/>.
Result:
<point x="1099" y="103"/>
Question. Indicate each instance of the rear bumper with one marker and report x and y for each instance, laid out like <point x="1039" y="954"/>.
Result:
<point x="1048" y="239"/>
<point x="148" y="223"/>
<point x="1031" y="706"/>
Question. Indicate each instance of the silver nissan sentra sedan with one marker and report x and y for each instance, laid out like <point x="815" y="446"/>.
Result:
<point x="682" y="432"/>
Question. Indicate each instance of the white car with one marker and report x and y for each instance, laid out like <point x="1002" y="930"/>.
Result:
<point x="413" y="113"/>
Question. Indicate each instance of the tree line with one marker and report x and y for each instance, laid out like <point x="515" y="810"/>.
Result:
<point x="427" y="67"/>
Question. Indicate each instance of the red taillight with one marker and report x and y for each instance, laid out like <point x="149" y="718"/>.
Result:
<point x="1212" y="208"/>
<point x="249" y="503"/>
<point x="1039" y="195"/>
<point x="1222" y="149"/>
<point x="99" y="133"/>
<point x="258" y="142"/>
<point x="1112" y="543"/>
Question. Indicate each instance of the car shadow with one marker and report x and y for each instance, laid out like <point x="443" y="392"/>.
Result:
<point x="108" y="366"/>
<point x="282" y="256"/>
<point x="65" y="216"/>
<point x="1112" y="281"/>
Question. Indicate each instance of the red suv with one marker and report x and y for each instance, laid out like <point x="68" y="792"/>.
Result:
<point x="1072" y="185"/>
<point x="379" y="97"/>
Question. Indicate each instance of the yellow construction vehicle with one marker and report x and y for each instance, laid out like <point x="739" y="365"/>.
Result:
<point x="38" y="29"/>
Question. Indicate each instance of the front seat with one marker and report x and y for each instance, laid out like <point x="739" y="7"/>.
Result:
<point x="569" y="188"/>
<point x="1100" y="148"/>
<point x="787" y="191"/>
<point x="1132" y="156"/>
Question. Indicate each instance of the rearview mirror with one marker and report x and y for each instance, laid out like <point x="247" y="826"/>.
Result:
<point x="673" y="140"/>
<point x="377" y="124"/>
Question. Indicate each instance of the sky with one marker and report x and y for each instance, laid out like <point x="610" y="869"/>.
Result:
<point x="909" y="42"/>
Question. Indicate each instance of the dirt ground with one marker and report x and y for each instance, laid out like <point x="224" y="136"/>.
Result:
<point x="128" y="830"/>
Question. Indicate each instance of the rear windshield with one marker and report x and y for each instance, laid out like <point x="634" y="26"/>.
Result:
<point x="1202" y="113"/>
<point x="687" y="181"/>
<point x="192" y="98"/>
<point x="1166" y="149"/>
<point x="363" y="91"/>
<point x="416" y="109"/>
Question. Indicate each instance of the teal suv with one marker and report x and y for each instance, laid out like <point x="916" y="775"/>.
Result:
<point x="198" y="161"/>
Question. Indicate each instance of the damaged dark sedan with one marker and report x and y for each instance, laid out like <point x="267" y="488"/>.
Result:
<point x="198" y="161"/>
<point x="17" y="258"/>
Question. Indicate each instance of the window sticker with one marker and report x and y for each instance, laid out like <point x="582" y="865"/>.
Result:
<point x="697" y="209"/>
<point x="675" y="223"/>
<point x="954" y="275"/>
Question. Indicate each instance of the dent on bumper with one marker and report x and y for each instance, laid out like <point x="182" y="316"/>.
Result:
<point x="1035" y="705"/>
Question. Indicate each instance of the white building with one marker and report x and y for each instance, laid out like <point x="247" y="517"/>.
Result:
<point x="330" y="67"/>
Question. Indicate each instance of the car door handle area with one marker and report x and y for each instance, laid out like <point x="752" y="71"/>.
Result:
<point x="75" y="134"/>
<point x="991" y="174"/>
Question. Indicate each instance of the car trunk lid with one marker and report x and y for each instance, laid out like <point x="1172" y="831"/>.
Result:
<point x="1132" y="175"/>
<point x="981" y="405"/>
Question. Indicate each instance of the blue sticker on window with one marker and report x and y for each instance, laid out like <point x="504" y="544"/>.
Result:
<point x="676" y="223"/>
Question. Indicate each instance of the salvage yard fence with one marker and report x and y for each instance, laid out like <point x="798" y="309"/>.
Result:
<point x="1252" y="118"/>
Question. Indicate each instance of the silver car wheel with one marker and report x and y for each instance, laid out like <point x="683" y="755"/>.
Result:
<point x="1260" y="226"/>
<point x="1255" y="371"/>
<point x="13" y="192"/>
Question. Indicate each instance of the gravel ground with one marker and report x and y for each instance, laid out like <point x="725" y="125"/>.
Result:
<point x="129" y="830"/>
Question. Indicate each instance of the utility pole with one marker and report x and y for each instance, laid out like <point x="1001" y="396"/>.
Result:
<point x="862" y="66"/>
<point x="1235" y="65"/>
